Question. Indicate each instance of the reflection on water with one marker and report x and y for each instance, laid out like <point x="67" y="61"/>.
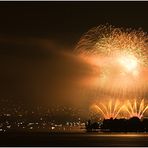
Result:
<point x="101" y="139"/>
<point x="120" y="134"/>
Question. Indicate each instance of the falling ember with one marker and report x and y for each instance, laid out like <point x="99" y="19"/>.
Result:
<point x="136" y="109"/>
<point x="121" y="55"/>
<point x="110" y="110"/>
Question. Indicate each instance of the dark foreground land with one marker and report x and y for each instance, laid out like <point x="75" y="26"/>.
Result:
<point x="73" y="139"/>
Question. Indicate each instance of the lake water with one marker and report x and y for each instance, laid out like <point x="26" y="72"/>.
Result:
<point x="74" y="139"/>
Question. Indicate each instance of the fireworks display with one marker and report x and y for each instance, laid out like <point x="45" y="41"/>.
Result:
<point x="121" y="57"/>
<point x="109" y="110"/>
<point x="111" y="41"/>
<point x="112" y="109"/>
<point x="136" y="109"/>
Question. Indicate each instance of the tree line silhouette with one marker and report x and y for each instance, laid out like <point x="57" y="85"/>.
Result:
<point x="133" y="124"/>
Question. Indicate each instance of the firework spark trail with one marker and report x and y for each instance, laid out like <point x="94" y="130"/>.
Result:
<point x="108" y="40"/>
<point x="135" y="109"/>
<point x="110" y="110"/>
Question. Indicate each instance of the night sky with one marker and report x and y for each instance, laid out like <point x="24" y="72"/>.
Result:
<point x="37" y="41"/>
